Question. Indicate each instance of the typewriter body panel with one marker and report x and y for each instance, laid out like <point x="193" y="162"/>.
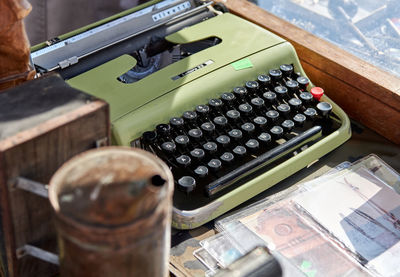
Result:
<point x="244" y="52"/>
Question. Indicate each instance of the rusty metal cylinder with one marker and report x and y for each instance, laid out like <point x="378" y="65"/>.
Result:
<point x="113" y="213"/>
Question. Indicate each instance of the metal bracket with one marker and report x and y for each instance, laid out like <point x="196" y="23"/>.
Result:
<point x="31" y="186"/>
<point x="38" y="253"/>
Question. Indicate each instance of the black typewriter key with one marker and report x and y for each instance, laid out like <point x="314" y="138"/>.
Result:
<point x="240" y="92"/>
<point x="293" y="86"/>
<point x="324" y="109"/>
<point x="220" y="122"/>
<point x="168" y="147"/>
<point x="210" y="147"/>
<point x="223" y="140"/>
<point x="264" y="138"/>
<point x="283" y="109"/>
<point x="240" y="151"/>
<point x="281" y="92"/>
<point x="248" y="128"/>
<point x="149" y="137"/>
<point x="202" y="111"/>
<point x="295" y="104"/>
<point x="228" y="98"/>
<point x="208" y="128"/>
<point x="252" y="145"/>
<point x="264" y="80"/>
<point x="227" y="157"/>
<point x="216" y="106"/>
<point x="257" y="103"/>
<point x="235" y="134"/>
<point x="310" y="113"/>
<point x="245" y="109"/>
<point x="190" y="117"/>
<point x="287" y="125"/>
<point x="299" y="119"/>
<point x="272" y="115"/>
<point x="182" y="142"/>
<point x="252" y="87"/>
<point x="275" y="74"/>
<point x="276" y="132"/>
<point x="306" y="97"/>
<point x="186" y="184"/>
<point x="303" y="82"/>
<point x="270" y="97"/>
<point x="197" y="154"/>
<point x="163" y="130"/>
<point x="260" y="122"/>
<point x="214" y="164"/>
<point x="177" y="124"/>
<point x="233" y="115"/>
<point x="201" y="171"/>
<point x="183" y="160"/>
<point x="286" y="69"/>
<point x="195" y="134"/>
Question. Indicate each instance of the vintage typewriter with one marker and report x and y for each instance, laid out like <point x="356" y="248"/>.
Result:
<point x="225" y="103"/>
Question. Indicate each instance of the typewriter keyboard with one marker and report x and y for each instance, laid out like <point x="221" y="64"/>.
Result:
<point x="220" y="144"/>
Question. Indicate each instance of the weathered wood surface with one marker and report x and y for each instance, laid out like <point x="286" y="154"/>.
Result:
<point x="36" y="151"/>
<point x="14" y="44"/>
<point x="367" y="94"/>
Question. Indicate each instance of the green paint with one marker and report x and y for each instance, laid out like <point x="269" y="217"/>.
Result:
<point x="305" y="265"/>
<point x="242" y="64"/>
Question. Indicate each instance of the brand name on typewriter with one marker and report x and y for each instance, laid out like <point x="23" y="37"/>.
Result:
<point x="187" y="72"/>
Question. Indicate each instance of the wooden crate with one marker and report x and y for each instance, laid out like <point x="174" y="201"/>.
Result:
<point x="43" y="123"/>
<point x="368" y="94"/>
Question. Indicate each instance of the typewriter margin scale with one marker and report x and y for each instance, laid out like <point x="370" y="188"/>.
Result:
<point x="125" y="119"/>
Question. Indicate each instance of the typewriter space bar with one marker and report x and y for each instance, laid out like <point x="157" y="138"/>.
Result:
<point x="263" y="160"/>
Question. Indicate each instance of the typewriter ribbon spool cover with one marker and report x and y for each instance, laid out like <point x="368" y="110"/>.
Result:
<point x="239" y="52"/>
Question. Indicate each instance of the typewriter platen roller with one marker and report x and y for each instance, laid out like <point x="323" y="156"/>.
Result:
<point x="222" y="101"/>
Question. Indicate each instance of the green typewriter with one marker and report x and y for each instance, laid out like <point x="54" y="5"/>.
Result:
<point x="225" y="103"/>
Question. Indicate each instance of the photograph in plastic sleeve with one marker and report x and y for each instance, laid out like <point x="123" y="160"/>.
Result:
<point x="284" y="231"/>
<point x="361" y="212"/>
<point x="205" y="258"/>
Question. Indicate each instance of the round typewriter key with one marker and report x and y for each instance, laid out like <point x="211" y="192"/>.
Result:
<point x="295" y="103"/>
<point x="163" y="129"/>
<point x="233" y="115"/>
<point x="275" y="74"/>
<point x="245" y="108"/>
<point x="210" y="147"/>
<point x="201" y="171"/>
<point x="272" y="115"/>
<point x="182" y="141"/>
<point x="149" y="136"/>
<point x="270" y="97"/>
<point x="248" y="128"/>
<point x="306" y="97"/>
<point x="177" y="124"/>
<point x="223" y="140"/>
<point x="215" y="105"/>
<point x="292" y="85"/>
<point x="265" y="138"/>
<point x="287" y="69"/>
<point x="208" y="128"/>
<point x="235" y="134"/>
<point x="317" y="93"/>
<point x="276" y="132"/>
<point x="281" y="91"/>
<point x="197" y="154"/>
<point x="186" y="184"/>
<point x="258" y="103"/>
<point x="303" y="82"/>
<point x="202" y="110"/>
<point x="260" y="122"/>
<point x="168" y="147"/>
<point x="287" y="125"/>
<point x="195" y="134"/>
<point x="252" y="144"/>
<point x="299" y="119"/>
<point x="264" y="80"/>
<point x="189" y="116"/>
<point x="228" y="98"/>
<point x="283" y="109"/>
<point x="324" y="108"/>
<point x="240" y="150"/>
<point x="240" y="92"/>
<point x="252" y="87"/>
<point x="310" y="113"/>
<point x="214" y="164"/>
<point x="227" y="157"/>
<point x="220" y="122"/>
<point x="183" y="160"/>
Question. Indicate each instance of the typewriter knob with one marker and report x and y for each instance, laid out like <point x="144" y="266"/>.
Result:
<point x="233" y="115"/>
<point x="287" y="69"/>
<point x="201" y="171"/>
<point x="208" y="128"/>
<point x="258" y="103"/>
<point x="317" y="93"/>
<point x="177" y="124"/>
<point x="163" y="129"/>
<point x="149" y="136"/>
<point x="227" y="157"/>
<point x="324" y="109"/>
<point x="240" y="151"/>
<point x="299" y="119"/>
<point x="202" y="110"/>
<point x="303" y="82"/>
<point x="183" y="160"/>
<point x="228" y="98"/>
<point x="281" y="91"/>
<point x="214" y="164"/>
<point x="265" y="138"/>
<point x="310" y="113"/>
<point x="210" y="147"/>
<point x="246" y="109"/>
<point x="295" y="103"/>
<point x="240" y="92"/>
<point x="197" y="154"/>
<point x="270" y="97"/>
<point x="272" y="115"/>
<point x="220" y="121"/>
<point x="306" y="97"/>
<point x="252" y="87"/>
<point x="260" y="122"/>
<point x="235" y="134"/>
<point x="287" y="125"/>
<point x="186" y="184"/>
<point x="216" y="105"/>
<point x="248" y="128"/>
<point x="275" y="74"/>
<point x="168" y="147"/>
<point x="284" y="109"/>
<point x="223" y="140"/>
<point x="292" y="85"/>
<point x="264" y="80"/>
<point x="196" y="134"/>
<point x="276" y="131"/>
<point x="252" y="144"/>
<point x="190" y="116"/>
